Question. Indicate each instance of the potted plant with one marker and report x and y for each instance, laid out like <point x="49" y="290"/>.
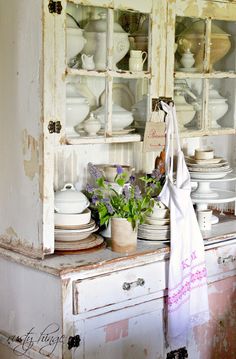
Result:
<point x="123" y="203"/>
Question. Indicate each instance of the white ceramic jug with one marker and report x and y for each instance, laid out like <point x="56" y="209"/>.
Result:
<point x="87" y="62"/>
<point x="137" y="59"/>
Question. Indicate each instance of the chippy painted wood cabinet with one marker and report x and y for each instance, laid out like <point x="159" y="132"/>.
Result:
<point x="73" y="311"/>
<point x="97" y="320"/>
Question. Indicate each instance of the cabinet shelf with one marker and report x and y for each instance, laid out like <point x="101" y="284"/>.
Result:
<point x="201" y="75"/>
<point x="109" y="73"/>
<point x="101" y="139"/>
<point x="208" y="132"/>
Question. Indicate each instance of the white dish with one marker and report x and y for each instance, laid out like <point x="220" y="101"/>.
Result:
<point x="207" y="165"/>
<point x="205" y="162"/>
<point x="157" y="221"/>
<point x="125" y="131"/>
<point x="68" y="220"/>
<point x="209" y="175"/>
<point x="72" y="236"/>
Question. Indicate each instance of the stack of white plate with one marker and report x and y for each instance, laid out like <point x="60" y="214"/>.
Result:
<point x="213" y="168"/>
<point x="74" y="231"/>
<point x="154" y="232"/>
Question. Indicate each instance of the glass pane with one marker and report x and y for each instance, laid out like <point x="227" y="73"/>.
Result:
<point x="140" y="108"/>
<point x="189" y="44"/>
<point x="81" y="100"/>
<point x="188" y="102"/>
<point x="221" y="112"/>
<point x="223" y="55"/>
<point x="86" y="45"/>
<point x="135" y="28"/>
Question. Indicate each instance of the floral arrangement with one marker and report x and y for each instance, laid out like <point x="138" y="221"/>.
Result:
<point x="123" y="198"/>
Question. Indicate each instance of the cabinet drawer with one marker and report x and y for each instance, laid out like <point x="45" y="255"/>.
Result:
<point x="115" y="287"/>
<point x="221" y="260"/>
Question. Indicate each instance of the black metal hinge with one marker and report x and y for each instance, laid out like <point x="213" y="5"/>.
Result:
<point x="73" y="342"/>
<point x="55" y="7"/>
<point x="156" y="102"/>
<point x="54" y="127"/>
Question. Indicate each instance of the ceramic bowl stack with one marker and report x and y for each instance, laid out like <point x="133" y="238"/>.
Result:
<point x="74" y="228"/>
<point x="157" y="225"/>
<point x="205" y="165"/>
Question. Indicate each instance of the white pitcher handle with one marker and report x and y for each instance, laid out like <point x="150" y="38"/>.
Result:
<point x="144" y="57"/>
<point x="82" y="58"/>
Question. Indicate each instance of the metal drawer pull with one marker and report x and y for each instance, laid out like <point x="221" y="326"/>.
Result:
<point x="139" y="282"/>
<point x="224" y="260"/>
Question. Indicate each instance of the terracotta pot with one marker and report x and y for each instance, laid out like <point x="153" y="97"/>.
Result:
<point x="123" y="237"/>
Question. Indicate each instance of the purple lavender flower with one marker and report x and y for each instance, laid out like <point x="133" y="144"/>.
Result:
<point x="132" y="179"/>
<point x="94" y="171"/>
<point x="137" y="193"/>
<point x="156" y="174"/>
<point x="126" y="192"/>
<point x="89" y="188"/>
<point x="95" y="199"/>
<point x="119" y="169"/>
<point x="108" y="205"/>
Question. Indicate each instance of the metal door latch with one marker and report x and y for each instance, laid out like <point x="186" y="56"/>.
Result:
<point x="225" y="260"/>
<point x="55" y="7"/>
<point x="54" y="127"/>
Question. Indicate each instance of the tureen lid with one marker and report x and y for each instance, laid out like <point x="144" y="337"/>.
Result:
<point x="100" y="25"/>
<point x="68" y="194"/>
<point x="116" y="110"/>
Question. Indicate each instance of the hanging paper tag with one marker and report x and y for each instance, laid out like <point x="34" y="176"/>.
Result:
<point x="154" y="136"/>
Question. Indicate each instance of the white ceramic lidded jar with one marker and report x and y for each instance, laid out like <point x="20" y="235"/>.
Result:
<point x="92" y="125"/>
<point x="77" y="108"/>
<point x="96" y="34"/>
<point x="70" y="201"/>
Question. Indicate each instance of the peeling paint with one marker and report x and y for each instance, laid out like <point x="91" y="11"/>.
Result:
<point x="216" y="339"/>
<point x="31" y="151"/>
<point x="117" y="330"/>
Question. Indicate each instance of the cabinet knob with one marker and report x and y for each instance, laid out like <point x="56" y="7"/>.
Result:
<point x="138" y="283"/>
<point x="225" y="260"/>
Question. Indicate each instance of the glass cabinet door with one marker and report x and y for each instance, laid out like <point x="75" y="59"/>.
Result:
<point x="110" y="68"/>
<point x="201" y="71"/>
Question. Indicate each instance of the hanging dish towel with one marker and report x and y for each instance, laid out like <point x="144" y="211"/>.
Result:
<point x="187" y="302"/>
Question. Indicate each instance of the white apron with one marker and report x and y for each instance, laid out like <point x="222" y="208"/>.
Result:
<point x="187" y="302"/>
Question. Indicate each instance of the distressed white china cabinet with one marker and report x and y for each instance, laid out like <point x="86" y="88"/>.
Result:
<point x="86" y="295"/>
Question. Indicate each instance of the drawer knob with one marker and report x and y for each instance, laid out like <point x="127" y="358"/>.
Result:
<point x="225" y="260"/>
<point x="138" y="283"/>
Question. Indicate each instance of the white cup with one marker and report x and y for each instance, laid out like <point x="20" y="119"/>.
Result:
<point x="204" y="219"/>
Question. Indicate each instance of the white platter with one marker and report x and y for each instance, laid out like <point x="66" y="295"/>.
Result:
<point x="208" y="169"/>
<point x="209" y="175"/>
<point x="92" y="241"/>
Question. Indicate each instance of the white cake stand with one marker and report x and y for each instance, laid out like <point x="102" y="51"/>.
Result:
<point x="204" y="194"/>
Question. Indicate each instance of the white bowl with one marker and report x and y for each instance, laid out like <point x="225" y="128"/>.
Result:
<point x="160" y="213"/>
<point x="77" y="108"/>
<point x="79" y="219"/>
<point x="206" y="153"/>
